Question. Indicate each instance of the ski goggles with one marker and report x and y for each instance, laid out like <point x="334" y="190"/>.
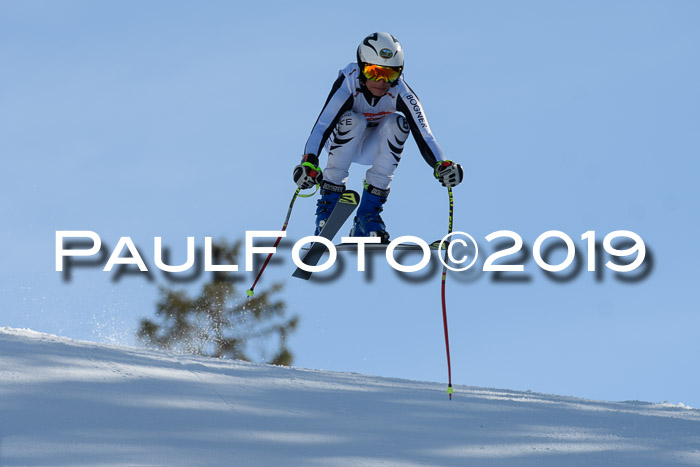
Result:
<point x="381" y="73"/>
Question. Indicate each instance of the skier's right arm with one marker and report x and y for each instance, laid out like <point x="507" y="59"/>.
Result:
<point x="339" y="100"/>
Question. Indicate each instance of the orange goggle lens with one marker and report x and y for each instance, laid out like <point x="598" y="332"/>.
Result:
<point x="381" y="73"/>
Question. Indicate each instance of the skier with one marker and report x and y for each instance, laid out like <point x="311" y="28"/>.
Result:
<point x="366" y="119"/>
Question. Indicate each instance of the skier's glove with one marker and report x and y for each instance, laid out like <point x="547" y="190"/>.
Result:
<point x="307" y="173"/>
<point x="449" y="173"/>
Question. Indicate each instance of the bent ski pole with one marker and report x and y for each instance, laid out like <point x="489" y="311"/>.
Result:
<point x="250" y="291"/>
<point x="444" y="306"/>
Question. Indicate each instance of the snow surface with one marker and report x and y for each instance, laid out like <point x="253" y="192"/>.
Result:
<point x="67" y="402"/>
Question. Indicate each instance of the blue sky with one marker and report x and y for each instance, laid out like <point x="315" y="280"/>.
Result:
<point x="179" y="119"/>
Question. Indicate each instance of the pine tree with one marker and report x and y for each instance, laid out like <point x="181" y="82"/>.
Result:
<point x="220" y="322"/>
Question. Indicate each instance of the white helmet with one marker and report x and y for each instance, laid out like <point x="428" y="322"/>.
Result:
<point x="382" y="49"/>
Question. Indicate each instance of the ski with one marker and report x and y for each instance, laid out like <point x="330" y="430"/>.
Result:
<point x="343" y="210"/>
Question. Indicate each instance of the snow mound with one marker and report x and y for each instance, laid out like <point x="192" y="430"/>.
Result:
<point x="66" y="402"/>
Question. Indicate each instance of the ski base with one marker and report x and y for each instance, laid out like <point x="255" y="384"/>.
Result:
<point x="343" y="210"/>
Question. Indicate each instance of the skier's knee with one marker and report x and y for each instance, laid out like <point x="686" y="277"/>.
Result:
<point x="398" y="126"/>
<point x="402" y="126"/>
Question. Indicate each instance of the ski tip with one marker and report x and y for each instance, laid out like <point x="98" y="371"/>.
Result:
<point x="301" y="274"/>
<point x="250" y="292"/>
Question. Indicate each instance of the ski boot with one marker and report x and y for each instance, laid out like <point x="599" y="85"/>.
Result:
<point x="330" y="194"/>
<point x="368" y="222"/>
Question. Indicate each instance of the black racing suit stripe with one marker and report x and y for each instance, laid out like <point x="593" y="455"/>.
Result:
<point x="347" y="105"/>
<point x="423" y="147"/>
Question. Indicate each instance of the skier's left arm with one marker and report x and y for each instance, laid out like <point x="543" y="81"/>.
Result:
<point x="449" y="173"/>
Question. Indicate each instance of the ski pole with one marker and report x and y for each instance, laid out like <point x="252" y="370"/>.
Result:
<point x="250" y="291"/>
<point x="444" y="306"/>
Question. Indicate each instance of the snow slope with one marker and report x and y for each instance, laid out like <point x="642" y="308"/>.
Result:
<point x="65" y="402"/>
